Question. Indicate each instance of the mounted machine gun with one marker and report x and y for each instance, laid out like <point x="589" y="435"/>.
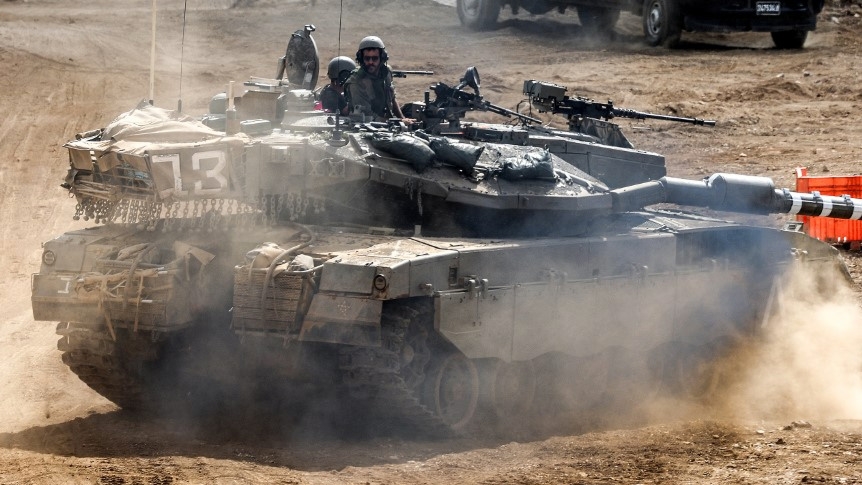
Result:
<point x="551" y="98"/>
<point x="451" y="103"/>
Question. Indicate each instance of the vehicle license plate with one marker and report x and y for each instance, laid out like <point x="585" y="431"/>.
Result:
<point x="768" y="8"/>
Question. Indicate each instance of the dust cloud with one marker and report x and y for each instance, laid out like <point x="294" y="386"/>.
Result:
<point x="809" y="363"/>
<point x="804" y="364"/>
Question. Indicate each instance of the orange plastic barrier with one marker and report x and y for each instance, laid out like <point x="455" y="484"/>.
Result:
<point x="837" y="231"/>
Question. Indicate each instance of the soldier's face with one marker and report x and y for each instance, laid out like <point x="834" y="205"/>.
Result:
<point x="371" y="60"/>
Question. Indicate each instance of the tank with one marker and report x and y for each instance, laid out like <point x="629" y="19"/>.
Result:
<point x="433" y="277"/>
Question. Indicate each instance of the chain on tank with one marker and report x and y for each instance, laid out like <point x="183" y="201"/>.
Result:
<point x="213" y="214"/>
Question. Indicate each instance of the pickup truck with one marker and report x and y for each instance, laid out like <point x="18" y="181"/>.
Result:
<point x="789" y="21"/>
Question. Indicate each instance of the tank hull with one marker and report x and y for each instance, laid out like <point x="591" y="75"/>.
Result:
<point x="392" y="320"/>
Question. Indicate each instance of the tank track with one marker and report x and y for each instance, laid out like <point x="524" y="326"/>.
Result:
<point x="386" y="383"/>
<point x="92" y="354"/>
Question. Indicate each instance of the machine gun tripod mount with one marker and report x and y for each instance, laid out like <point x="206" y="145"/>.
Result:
<point x="451" y="103"/>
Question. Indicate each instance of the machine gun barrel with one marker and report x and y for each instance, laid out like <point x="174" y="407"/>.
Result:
<point x="641" y="115"/>
<point x="457" y="100"/>
<point x="508" y="112"/>
<point x="402" y="74"/>
<point x="736" y="193"/>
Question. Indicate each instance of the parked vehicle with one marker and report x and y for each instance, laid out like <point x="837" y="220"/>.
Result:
<point x="664" y="21"/>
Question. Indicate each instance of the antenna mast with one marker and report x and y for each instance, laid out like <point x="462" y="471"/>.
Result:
<point x="153" y="56"/>
<point x="182" y="51"/>
<point x="337" y="139"/>
<point x="340" y="16"/>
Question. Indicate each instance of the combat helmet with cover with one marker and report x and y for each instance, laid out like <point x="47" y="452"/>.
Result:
<point x="372" y="42"/>
<point x="340" y="68"/>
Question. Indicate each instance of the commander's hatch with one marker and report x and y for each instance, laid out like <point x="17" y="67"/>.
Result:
<point x="301" y="62"/>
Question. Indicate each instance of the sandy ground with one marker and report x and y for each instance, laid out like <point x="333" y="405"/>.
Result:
<point x="72" y="66"/>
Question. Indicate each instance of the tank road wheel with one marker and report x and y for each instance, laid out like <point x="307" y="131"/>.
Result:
<point x="478" y="14"/>
<point x="790" y="39"/>
<point x="413" y="379"/>
<point x="508" y="389"/>
<point x="598" y="20"/>
<point x="146" y="372"/>
<point x="116" y="369"/>
<point x="662" y="23"/>
<point x="687" y="371"/>
<point x="452" y="390"/>
<point x="698" y="376"/>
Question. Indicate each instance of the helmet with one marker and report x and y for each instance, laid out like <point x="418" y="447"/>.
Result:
<point x="372" y="42"/>
<point x="338" y="66"/>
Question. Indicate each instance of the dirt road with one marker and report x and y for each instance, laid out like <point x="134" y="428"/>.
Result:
<point x="73" y="66"/>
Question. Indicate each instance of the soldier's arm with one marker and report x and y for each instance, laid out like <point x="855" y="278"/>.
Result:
<point x="396" y="109"/>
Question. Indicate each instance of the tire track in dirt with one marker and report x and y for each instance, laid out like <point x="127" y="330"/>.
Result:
<point x="37" y="387"/>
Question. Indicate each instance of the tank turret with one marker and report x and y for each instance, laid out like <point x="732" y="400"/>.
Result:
<point x="448" y="183"/>
<point x="438" y="275"/>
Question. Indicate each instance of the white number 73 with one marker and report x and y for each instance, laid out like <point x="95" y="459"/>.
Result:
<point x="217" y="159"/>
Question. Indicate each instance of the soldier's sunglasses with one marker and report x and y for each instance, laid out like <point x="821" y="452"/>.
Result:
<point x="371" y="58"/>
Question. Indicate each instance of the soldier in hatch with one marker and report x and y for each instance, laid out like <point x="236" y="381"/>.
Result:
<point x="332" y="96"/>
<point x="369" y="89"/>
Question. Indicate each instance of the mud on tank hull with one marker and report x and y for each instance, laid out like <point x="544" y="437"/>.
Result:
<point x="436" y="334"/>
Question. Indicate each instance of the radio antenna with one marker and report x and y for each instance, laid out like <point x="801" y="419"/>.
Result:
<point x="337" y="138"/>
<point x="340" y="16"/>
<point x="153" y="56"/>
<point x="182" y="51"/>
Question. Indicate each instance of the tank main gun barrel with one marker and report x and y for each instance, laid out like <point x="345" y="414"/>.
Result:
<point x="736" y="193"/>
<point x="549" y="97"/>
